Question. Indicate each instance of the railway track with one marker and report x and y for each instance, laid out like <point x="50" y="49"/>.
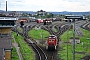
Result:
<point x="78" y="31"/>
<point x="40" y="54"/>
<point x="86" y="26"/>
<point x="51" y="54"/>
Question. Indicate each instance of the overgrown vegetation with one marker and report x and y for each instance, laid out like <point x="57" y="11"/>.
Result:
<point x="20" y="29"/>
<point x="27" y="53"/>
<point x="82" y="49"/>
<point x="14" y="54"/>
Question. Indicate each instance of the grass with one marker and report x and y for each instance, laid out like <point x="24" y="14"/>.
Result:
<point x="55" y="30"/>
<point x="84" y="46"/>
<point x="14" y="54"/>
<point x="38" y="34"/>
<point x="20" y="29"/>
<point x="26" y="51"/>
<point x="12" y="41"/>
<point x="65" y="37"/>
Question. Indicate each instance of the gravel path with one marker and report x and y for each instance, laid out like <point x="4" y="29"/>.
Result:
<point x="15" y="44"/>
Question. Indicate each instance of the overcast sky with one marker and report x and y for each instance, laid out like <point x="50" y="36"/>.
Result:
<point x="46" y="5"/>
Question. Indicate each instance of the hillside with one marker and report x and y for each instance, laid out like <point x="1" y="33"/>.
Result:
<point x="64" y="12"/>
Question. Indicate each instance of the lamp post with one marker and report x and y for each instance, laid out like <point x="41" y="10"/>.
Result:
<point x="74" y="41"/>
<point x="67" y="41"/>
<point x="67" y="45"/>
<point x="69" y="24"/>
<point x="42" y="36"/>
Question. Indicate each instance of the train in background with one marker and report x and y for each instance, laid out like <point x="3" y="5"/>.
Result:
<point x="47" y="21"/>
<point x="51" y="43"/>
<point x="39" y="20"/>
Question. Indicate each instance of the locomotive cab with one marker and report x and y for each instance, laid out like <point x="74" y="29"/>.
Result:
<point x="51" y="42"/>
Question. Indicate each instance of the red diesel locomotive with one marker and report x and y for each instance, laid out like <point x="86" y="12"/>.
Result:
<point x="51" y="42"/>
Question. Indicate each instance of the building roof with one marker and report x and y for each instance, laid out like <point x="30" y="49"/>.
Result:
<point x="8" y="18"/>
<point x="5" y="42"/>
<point x="7" y="22"/>
<point x="6" y="26"/>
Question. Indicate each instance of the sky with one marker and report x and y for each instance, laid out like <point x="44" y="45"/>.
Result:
<point x="46" y="5"/>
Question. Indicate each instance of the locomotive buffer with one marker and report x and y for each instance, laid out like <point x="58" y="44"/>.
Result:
<point x="73" y="17"/>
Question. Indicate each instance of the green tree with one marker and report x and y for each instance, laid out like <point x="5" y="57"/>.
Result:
<point x="2" y="15"/>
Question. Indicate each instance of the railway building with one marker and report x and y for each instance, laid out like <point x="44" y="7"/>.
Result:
<point x="6" y="24"/>
<point x="22" y="20"/>
<point x="77" y="40"/>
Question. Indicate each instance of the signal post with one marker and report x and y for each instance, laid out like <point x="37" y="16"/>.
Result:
<point x="73" y="17"/>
